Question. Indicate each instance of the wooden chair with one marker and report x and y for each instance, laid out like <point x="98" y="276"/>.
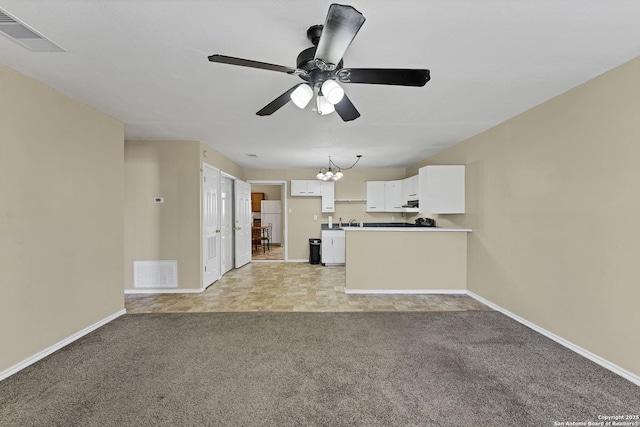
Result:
<point x="256" y="238"/>
<point x="266" y="238"/>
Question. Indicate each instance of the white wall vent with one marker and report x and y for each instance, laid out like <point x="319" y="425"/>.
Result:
<point x="155" y="274"/>
<point x="27" y="37"/>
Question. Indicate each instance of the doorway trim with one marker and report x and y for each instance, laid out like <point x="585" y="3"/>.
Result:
<point x="285" y="208"/>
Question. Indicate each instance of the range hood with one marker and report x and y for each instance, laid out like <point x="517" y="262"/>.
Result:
<point x="410" y="206"/>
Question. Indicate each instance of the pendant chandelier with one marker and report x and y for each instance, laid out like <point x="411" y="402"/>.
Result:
<point x="333" y="172"/>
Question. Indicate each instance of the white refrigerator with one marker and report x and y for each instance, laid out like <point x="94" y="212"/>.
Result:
<point x="271" y="213"/>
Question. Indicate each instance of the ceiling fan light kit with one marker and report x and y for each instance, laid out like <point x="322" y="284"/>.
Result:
<point x="323" y="106"/>
<point x="332" y="91"/>
<point x="302" y="95"/>
<point x="321" y="66"/>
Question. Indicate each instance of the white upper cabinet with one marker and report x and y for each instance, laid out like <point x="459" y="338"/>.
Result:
<point x="306" y="187"/>
<point x="442" y="189"/>
<point x="393" y="196"/>
<point x="328" y="197"/>
<point x="410" y="188"/>
<point x="390" y="196"/>
<point x="375" y="196"/>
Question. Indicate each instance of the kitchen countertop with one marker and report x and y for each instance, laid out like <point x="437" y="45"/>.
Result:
<point x="390" y="226"/>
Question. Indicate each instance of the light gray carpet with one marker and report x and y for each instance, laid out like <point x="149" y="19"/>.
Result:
<point x="325" y="369"/>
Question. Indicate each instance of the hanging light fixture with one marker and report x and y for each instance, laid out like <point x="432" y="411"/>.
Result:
<point x="302" y="95"/>
<point x="334" y="172"/>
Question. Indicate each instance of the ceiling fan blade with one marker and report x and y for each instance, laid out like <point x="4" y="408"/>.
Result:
<point x="384" y="76"/>
<point x="277" y="103"/>
<point x="346" y="110"/>
<point x="249" y="63"/>
<point x="340" y="28"/>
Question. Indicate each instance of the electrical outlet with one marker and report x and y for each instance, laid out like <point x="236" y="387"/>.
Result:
<point x="393" y="218"/>
<point x="315" y="217"/>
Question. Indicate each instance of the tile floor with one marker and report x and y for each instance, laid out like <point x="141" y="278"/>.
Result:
<point x="275" y="253"/>
<point x="290" y="286"/>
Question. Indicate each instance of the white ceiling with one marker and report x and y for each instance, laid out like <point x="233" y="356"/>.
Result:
<point x="145" y="63"/>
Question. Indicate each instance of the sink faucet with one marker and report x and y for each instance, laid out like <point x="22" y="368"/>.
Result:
<point x="351" y="222"/>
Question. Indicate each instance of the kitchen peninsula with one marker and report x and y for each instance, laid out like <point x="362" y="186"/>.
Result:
<point x="406" y="260"/>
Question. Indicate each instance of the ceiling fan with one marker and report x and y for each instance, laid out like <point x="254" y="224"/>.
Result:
<point x="321" y="67"/>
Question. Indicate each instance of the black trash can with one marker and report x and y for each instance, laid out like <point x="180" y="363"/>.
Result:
<point x="314" y="251"/>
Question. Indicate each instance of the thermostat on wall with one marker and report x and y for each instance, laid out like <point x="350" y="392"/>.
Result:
<point x="158" y="200"/>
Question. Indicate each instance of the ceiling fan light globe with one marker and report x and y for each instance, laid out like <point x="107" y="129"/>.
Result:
<point x="302" y="95"/>
<point x="332" y="91"/>
<point x="323" y="106"/>
<point x="338" y="175"/>
<point x="328" y="174"/>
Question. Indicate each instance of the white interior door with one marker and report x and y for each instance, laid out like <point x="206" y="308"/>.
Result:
<point x="210" y="224"/>
<point x="243" y="222"/>
<point x="226" y="224"/>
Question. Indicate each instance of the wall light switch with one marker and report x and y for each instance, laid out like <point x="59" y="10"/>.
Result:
<point x="290" y="210"/>
<point x="315" y="217"/>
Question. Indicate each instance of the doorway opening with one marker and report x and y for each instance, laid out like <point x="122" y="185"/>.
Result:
<point x="269" y="216"/>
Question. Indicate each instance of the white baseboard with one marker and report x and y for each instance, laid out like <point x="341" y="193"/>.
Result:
<point x="581" y="351"/>
<point x="297" y="260"/>
<point x="163" y="291"/>
<point x="406" y="291"/>
<point x="44" y="353"/>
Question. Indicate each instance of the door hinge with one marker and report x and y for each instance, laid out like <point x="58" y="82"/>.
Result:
<point x="205" y="268"/>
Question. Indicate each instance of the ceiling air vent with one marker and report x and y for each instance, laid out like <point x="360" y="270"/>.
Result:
<point x="24" y="35"/>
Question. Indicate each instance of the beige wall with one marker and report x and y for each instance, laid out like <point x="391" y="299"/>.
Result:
<point x="552" y="198"/>
<point x="171" y="230"/>
<point x="61" y="192"/>
<point x="302" y="226"/>
<point x="167" y="231"/>
<point x="212" y="157"/>
<point x="398" y="261"/>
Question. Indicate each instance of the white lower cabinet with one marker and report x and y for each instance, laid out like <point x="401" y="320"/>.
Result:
<point x="333" y="247"/>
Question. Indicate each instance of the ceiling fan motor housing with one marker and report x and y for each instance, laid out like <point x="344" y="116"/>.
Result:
<point x="306" y="61"/>
<point x="313" y="34"/>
